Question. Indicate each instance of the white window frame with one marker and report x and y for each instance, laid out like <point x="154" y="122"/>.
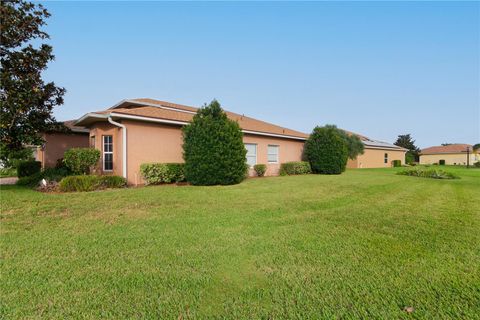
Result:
<point x="273" y="154"/>
<point x="256" y="152"/>
<point x="106" y="152"/>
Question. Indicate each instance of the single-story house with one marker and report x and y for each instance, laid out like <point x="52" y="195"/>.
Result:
<point x="377" y="154"/>
<point x="59" y="141"/>
<point x="138" y="131"/>
<point x="452" y="154"/>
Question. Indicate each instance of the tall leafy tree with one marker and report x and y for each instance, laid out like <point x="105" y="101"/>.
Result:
<point x="406" y="141"/>
<point x="26" y="101"/>
<point x="213" y="148"/>
<point x="355" y="145"/>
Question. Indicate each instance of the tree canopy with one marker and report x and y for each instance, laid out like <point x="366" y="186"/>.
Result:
<point x="406" y="141"/>
<point x="327" y="150"/>
<point x="26" y="101"/>
<point x="213" y="148"/>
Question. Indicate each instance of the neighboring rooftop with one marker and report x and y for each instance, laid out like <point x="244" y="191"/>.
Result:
<point x="70" y="124"/>
<point x="451" y="148"/>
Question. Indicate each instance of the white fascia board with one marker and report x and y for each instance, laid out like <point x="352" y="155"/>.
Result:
<point x="273" y="135"/>
<point x="92" y="115"/>
<point x="150" y="105"/>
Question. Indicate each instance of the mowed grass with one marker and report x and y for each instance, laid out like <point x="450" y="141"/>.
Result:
<point x="365" y="244"/>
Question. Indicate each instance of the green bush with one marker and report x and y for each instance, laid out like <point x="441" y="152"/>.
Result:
<point x="441" y="162"/>
<point x="8" y="172"/>
<point x="156" y="173"/>
<point x="477" y="164"/>
<point x="90" y="183"/>
<point x="80" y="160"/>
<point x="327" y="150"/>
<point x="295" y="167"/>
<point x="396" y="163"/>
<point x="28" y="168"/>
<point x="49" y="174"/>
<point x="260" y="169"/>
<point x="30" y="181"/>
<point x="428" y="173"/>
<point x="213" y="148"/>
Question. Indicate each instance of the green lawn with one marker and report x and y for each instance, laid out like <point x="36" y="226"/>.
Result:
<point x="364" y="244"/>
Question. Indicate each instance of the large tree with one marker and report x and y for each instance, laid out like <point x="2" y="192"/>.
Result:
<point x="26" y="100"/>
<point x="406" y="141"/>
<point x="355" y="145"/>
<point x="213" y="148"/>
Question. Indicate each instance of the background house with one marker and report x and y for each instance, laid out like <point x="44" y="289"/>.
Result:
<point x="377" y="154"/>
<point x="452" y="154"/>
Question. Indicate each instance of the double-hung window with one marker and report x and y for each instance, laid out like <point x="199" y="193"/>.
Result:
<point x="251" y="154"/>
<point x="107" y="153"/>
<point x="386" y="158"/>
<point x="272" y="153"/>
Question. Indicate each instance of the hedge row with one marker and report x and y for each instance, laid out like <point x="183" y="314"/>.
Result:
<point x="295" y="167"/>
<point x="157" y="173"/>
<point x="90" y="183"/>
<point x="428" y="173"/>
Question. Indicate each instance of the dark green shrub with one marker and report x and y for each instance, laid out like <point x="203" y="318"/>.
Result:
<point x="295" y="167"/>
<point x="90" y="183"/>
<point x="30" y="181"/>
<point x="56" y="174"/>
<point x="428" y="173"/>
<point x="156" y="173"/>
<point x="28" y="168"/>
<point x="477" y="164"/>
<point x="441" y="162"/>
<point x="213" y="148"/>
<point x="396" y="163"/>
<point x="327" y="150"/>
<point x="80" y="160"/>
<point x="260" y="169"/>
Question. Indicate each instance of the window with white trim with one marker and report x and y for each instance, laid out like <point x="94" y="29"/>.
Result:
<point x="272" y="153"/>
<point x="107" y="153"/>
<point x="386" y="158"/>
<point x="251" y="154"/>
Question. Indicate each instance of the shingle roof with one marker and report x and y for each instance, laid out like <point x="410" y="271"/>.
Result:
<point x="451" y="148"/>
<point x="157" y="109"/>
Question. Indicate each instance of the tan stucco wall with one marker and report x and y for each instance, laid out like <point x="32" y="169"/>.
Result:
<point x="450" y="158"/>
<point x="374" y="158"/>
<point x="56" y="144"/>
<point x="149" y="142"/>
<point x="100" y="129"/>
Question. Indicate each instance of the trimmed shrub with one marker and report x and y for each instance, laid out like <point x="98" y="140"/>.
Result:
<point x="156" y="173"/>
<point x="31" y="181"/>
<point x="80" y="160"/>
<point x="327" y="150"/>
<point x="295" y="167"/>
<point x="396" y="163"/>
<point x="428" y="173"/>
<point x="90" y="183"/>
<point x="260" y="169"/>
<point x="28" y="168"/>
<point x="441" y="162"/>
<point x="477" y="164"/>
<point x="213" y="148"/>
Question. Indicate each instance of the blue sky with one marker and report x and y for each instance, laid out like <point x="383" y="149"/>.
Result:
<point x="376" y="68"/>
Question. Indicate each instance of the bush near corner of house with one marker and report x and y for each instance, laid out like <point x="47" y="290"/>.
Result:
<point x="441" y="162"/>
<point x="80" y="160"/>
<point x="428" y="173"/>
<point x="294" y="168"/>
<point x="260" y="169"/>
<point x="396" y="163"/>
<point x="90" y="183"/>
<point x="477" y="164"/>
<point x="327" y="150"/>
<point x="157" y="173"/>
<point x="213" y="148"/>
<point x="28" y="168"/>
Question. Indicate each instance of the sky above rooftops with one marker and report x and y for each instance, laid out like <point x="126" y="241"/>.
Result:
<point x="376" y="68"/>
